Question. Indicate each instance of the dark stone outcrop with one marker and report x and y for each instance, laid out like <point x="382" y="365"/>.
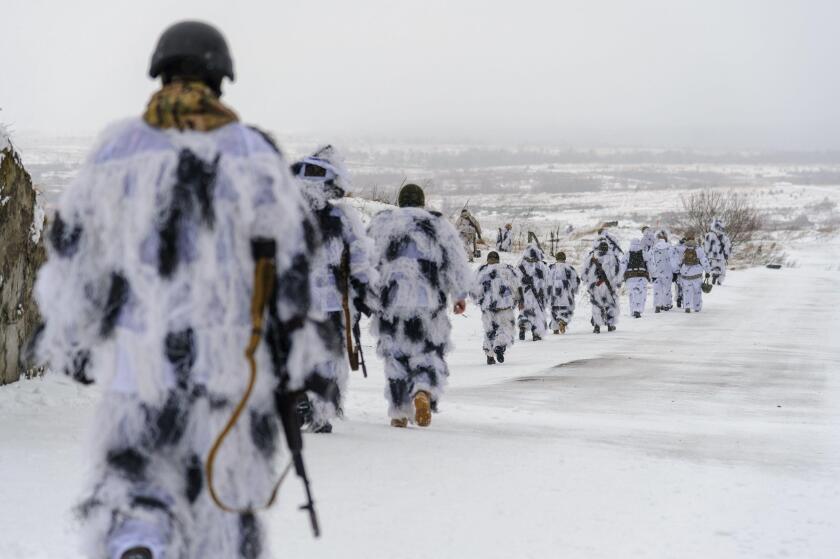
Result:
<point x="21" y="254"/>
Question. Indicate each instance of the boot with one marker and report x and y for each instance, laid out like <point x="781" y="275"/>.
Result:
<point x="326" y="427"/>
<point x="490" y="360"/>
<point x="658" y="310"/>
<point x="688" y="310"/>
<point x="562" y="327"/>
<point x="522" y="333"/>
<point x="597" y="329"/>
<point x="610" y="328"/>
<point x="637" y="314"/>
<point x="500" y="354"/>
<point x="422" y="409"/>
<point x="536" y="337"/>
<point x="556" y="332"/>
<point x="137" y="553"/>
<point x="402" y="422"/>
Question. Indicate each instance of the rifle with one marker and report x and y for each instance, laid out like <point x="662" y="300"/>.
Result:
<point x="352" y="354"/>
<point x="287" y="406"/>
<point x="357" y="333"/>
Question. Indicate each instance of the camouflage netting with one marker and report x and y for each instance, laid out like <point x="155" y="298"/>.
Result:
<point x="21" y="254"/>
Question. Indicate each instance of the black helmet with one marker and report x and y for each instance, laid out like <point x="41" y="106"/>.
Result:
<point x="411" y="196"/>
<point x="192" y="48"/>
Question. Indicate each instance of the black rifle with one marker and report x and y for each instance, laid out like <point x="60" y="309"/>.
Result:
<point x="357" y="334"/>
<point x="287" y="407"/>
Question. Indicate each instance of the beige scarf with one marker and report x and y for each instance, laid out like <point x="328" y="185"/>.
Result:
<point x="187" y="106"/>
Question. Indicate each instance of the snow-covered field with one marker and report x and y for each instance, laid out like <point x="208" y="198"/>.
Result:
<point x="715" y="435"/>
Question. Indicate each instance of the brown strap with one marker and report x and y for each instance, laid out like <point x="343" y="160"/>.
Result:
<point x="264" y="275"/>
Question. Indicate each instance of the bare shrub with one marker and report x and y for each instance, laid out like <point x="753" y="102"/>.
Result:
<point x="740" y="217"/>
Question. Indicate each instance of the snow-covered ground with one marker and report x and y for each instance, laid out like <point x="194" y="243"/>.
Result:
<point x="714" y="435"/>
<point x="708" y="435"/>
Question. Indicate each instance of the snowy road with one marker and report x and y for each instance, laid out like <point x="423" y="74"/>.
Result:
<point x="714" y="435"/>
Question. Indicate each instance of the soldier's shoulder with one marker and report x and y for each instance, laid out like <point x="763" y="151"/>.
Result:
<point x="266" y="137"/>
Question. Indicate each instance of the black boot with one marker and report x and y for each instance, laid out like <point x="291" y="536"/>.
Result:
<point x="536" y="337"/>
<point x="323" y="428"/>
<point x="597" y="329"/>
<point x="637" y="314"/>
<point x="490" y="360"/>
<point x="500" y="354"/>
<point x="522" y="333"/>
<point x="658" y="310"/>
<point x="138" y="553"/>
<point x="610" y="328"/>
<point x="688" y="310"/>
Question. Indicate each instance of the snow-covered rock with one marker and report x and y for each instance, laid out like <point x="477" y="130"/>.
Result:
<point x="21" y="254"/>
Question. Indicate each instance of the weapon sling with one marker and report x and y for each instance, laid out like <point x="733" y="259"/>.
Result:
<point x="352" y="354"/>
<point x="264" y="280"/>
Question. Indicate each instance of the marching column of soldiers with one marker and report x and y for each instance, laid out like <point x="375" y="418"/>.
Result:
<point x="188" y="238"/>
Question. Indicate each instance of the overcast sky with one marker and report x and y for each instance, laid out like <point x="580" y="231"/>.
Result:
<point x="708" y="73"/>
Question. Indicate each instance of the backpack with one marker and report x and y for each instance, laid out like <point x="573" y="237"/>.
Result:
<point x="636" y="265"/>
<point x="690" y="257"/>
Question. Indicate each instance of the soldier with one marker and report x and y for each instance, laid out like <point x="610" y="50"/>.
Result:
<point x="563" y="285"/>
<point x="637" y="266"/>
<point x="469" y="231"/>
<point x="611" y="240"/>
<point x="663" y="270"/>
<point x="421" y="265"/>
<point x="504" y="239"/>
<point x="603" y="274"/>
<point x="497" y="292"/>
<point x="178" y="225"/>
<point x="342" y="273"/>
<point x="676" y="263"/>
<point x="648" y="238"/>
<point x="718" y="248"/>
<point x="693" y="263"/>
<point x="533" y="273"/>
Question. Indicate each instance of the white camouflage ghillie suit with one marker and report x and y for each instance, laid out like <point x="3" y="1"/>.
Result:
<point x="718" y="248"/>
<point x="693" y="263"/>
<point x="470" y="231"/>
<point x="421" y="264"/>
<point x="533" y="274"/>
<point x="342" y="272"/>
<point x="497" y="291"/>
<point x="563" y="286"/>
<point x="147" y="293"/>
<point x="637" y="266"/>
<point x="504" y="239"/>
<point x="648" y="238"/>
<point x="612" y="242"/>
<point x="663" y="270"/>
<point x="603" y="274"/>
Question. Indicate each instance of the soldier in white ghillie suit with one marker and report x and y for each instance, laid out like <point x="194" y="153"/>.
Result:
<point x="504" y="239"/>
<point x="342" y="273"/>
<point x="637" y="265"/>
<point x="663" y="270"/>
<point x="497" y="291"/>
<point x="563" y="286"/>
<point x="718" y="248"/>
<point x="648" y="238"/>
<point x="533" y="273"/>
<point x="421" y="265"/>
<point x="603" y="275"/>
<point x="693" y="263"/>
<point x="612" y="242"/>
<point x="183" y="240"/>
<point x="470" y="232"/>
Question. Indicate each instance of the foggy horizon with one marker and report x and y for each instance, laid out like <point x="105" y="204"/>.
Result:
<point x="745" y="75"/>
